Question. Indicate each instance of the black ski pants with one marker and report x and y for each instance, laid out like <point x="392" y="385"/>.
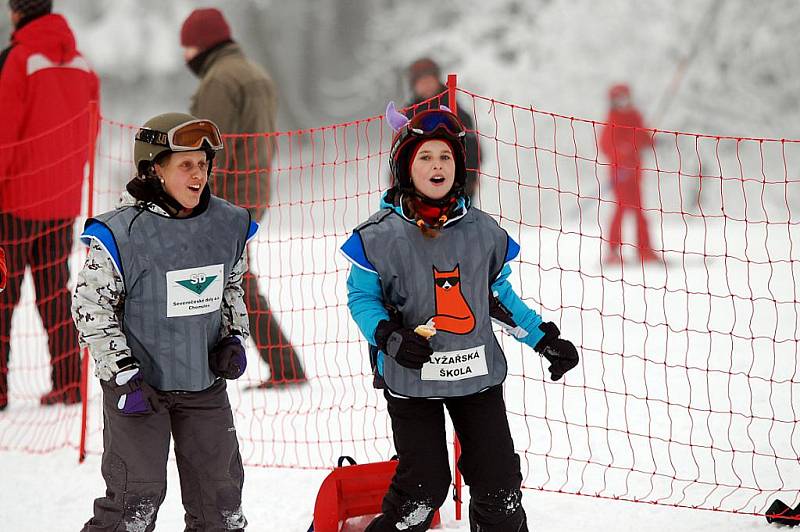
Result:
<point x="45" y="246"/>
<point x="488" y="462"/>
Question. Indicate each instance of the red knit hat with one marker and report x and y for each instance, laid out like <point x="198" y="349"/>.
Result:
<point x="204" y="28"/>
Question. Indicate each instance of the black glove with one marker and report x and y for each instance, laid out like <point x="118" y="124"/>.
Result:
<point x="561" y="353"/>
<point x="228" y="358"/>
<point x="409" y="349"/>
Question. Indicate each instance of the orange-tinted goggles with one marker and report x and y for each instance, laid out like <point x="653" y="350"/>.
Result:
<point x="185" y="137"/>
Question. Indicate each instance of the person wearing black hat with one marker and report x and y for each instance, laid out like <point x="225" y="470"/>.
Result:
<point x="425" y="82"/>
<point x="240" y="97"/>
<point x="429" y="274"/>
<point x="46" y="87"/>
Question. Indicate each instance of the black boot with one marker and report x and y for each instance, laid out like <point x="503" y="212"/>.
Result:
<point x="498" y="511"/>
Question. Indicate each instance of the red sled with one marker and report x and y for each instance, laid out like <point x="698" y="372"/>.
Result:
<point x="353" y="491"/>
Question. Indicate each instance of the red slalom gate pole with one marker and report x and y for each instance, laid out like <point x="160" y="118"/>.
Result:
<point x="451" y="92"/>
<point x="452" y="83"/>
<point x="94" y="128"/>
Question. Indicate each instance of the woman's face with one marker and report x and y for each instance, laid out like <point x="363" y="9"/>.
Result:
<point x="433" y="169"/>
<point x="184" y="176"/>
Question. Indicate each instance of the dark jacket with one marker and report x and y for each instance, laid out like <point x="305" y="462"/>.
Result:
<point x="45" y="90"/>
<point x="471" y="140"/>
<point x="239" y="96"/>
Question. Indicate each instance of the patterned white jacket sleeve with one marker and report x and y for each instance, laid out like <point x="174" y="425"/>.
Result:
<point x="234" y="310"/>
<point x="98" y="304"/>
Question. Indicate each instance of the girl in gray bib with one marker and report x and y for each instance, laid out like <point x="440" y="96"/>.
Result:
<point x="429" y="273"/>
<point x="160" y="306"/>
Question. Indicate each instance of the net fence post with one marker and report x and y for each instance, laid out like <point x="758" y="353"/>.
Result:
<point x="452" y="83"/>
<point x="94" y="127"/>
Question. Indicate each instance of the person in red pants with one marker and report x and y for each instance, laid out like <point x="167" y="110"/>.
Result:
<point x="622" y="140"/>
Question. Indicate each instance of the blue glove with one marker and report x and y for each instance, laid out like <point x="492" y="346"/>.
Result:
<point x="228" y="359"/>
<point x="134" y="393"/>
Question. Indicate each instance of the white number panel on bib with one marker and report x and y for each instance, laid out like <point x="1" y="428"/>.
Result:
<point x="456" y="365"/>
<point x="195" y="290"/>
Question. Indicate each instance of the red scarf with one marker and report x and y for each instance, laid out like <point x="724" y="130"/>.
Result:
<point x="431" y="214"/>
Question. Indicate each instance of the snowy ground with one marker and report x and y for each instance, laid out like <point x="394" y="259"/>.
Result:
<point x="53" y="493"/>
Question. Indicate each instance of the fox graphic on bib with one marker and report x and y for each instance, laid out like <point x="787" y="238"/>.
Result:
<point x="453" y="314"/>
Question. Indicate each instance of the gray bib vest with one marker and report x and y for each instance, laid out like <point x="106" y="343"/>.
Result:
<point x="445" y="279"/>
<point x="175" y="271"/>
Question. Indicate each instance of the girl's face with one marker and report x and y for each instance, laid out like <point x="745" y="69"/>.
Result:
<point x="433" y="169"/>
<point x="184" y="176"/>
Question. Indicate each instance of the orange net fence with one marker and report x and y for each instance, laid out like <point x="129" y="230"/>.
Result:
<point x="672" y="271"/>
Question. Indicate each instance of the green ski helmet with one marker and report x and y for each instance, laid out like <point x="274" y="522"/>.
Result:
<point x="174" y="132"/>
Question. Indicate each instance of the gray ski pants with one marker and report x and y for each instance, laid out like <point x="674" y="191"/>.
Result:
<point x="135" y="455"/>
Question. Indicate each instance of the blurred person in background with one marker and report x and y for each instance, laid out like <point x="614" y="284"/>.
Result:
<point x="425" y="81"/>
<point x="622" y="140"/>
<point x="45" y="90"/>
<point x="240" y="97"/>
<point x="168" y="264"/>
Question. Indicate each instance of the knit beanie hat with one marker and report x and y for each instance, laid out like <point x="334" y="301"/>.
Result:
<point x="30" y="8"/>
<point x="204" y="28"/>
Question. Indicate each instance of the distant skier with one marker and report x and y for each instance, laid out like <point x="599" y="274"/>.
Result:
<point x="622" y="141"/>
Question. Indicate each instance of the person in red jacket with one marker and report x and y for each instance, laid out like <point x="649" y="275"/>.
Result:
<point x="45" y="90"/>
<point x="622" y="141"/>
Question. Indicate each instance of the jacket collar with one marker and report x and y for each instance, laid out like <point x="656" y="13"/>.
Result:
<point x="394" y="201"/>
<point x="203" y="61"/>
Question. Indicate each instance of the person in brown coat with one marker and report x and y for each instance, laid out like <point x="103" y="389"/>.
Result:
<point x="239" y="96"/>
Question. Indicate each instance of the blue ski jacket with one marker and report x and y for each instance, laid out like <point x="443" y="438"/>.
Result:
<point x="365" y="297"/>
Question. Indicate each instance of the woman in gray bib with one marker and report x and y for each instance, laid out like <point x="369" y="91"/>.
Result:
<point x="159" y="304"/>
<point x="429" y="274"/>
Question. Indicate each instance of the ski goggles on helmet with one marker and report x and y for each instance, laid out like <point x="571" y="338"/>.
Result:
<point x="429" y="122"/>
<point x="188" y="136"/>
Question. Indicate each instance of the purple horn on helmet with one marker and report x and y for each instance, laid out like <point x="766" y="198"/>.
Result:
<point x="395" y="118"/>
<point x="445" y="108"/>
